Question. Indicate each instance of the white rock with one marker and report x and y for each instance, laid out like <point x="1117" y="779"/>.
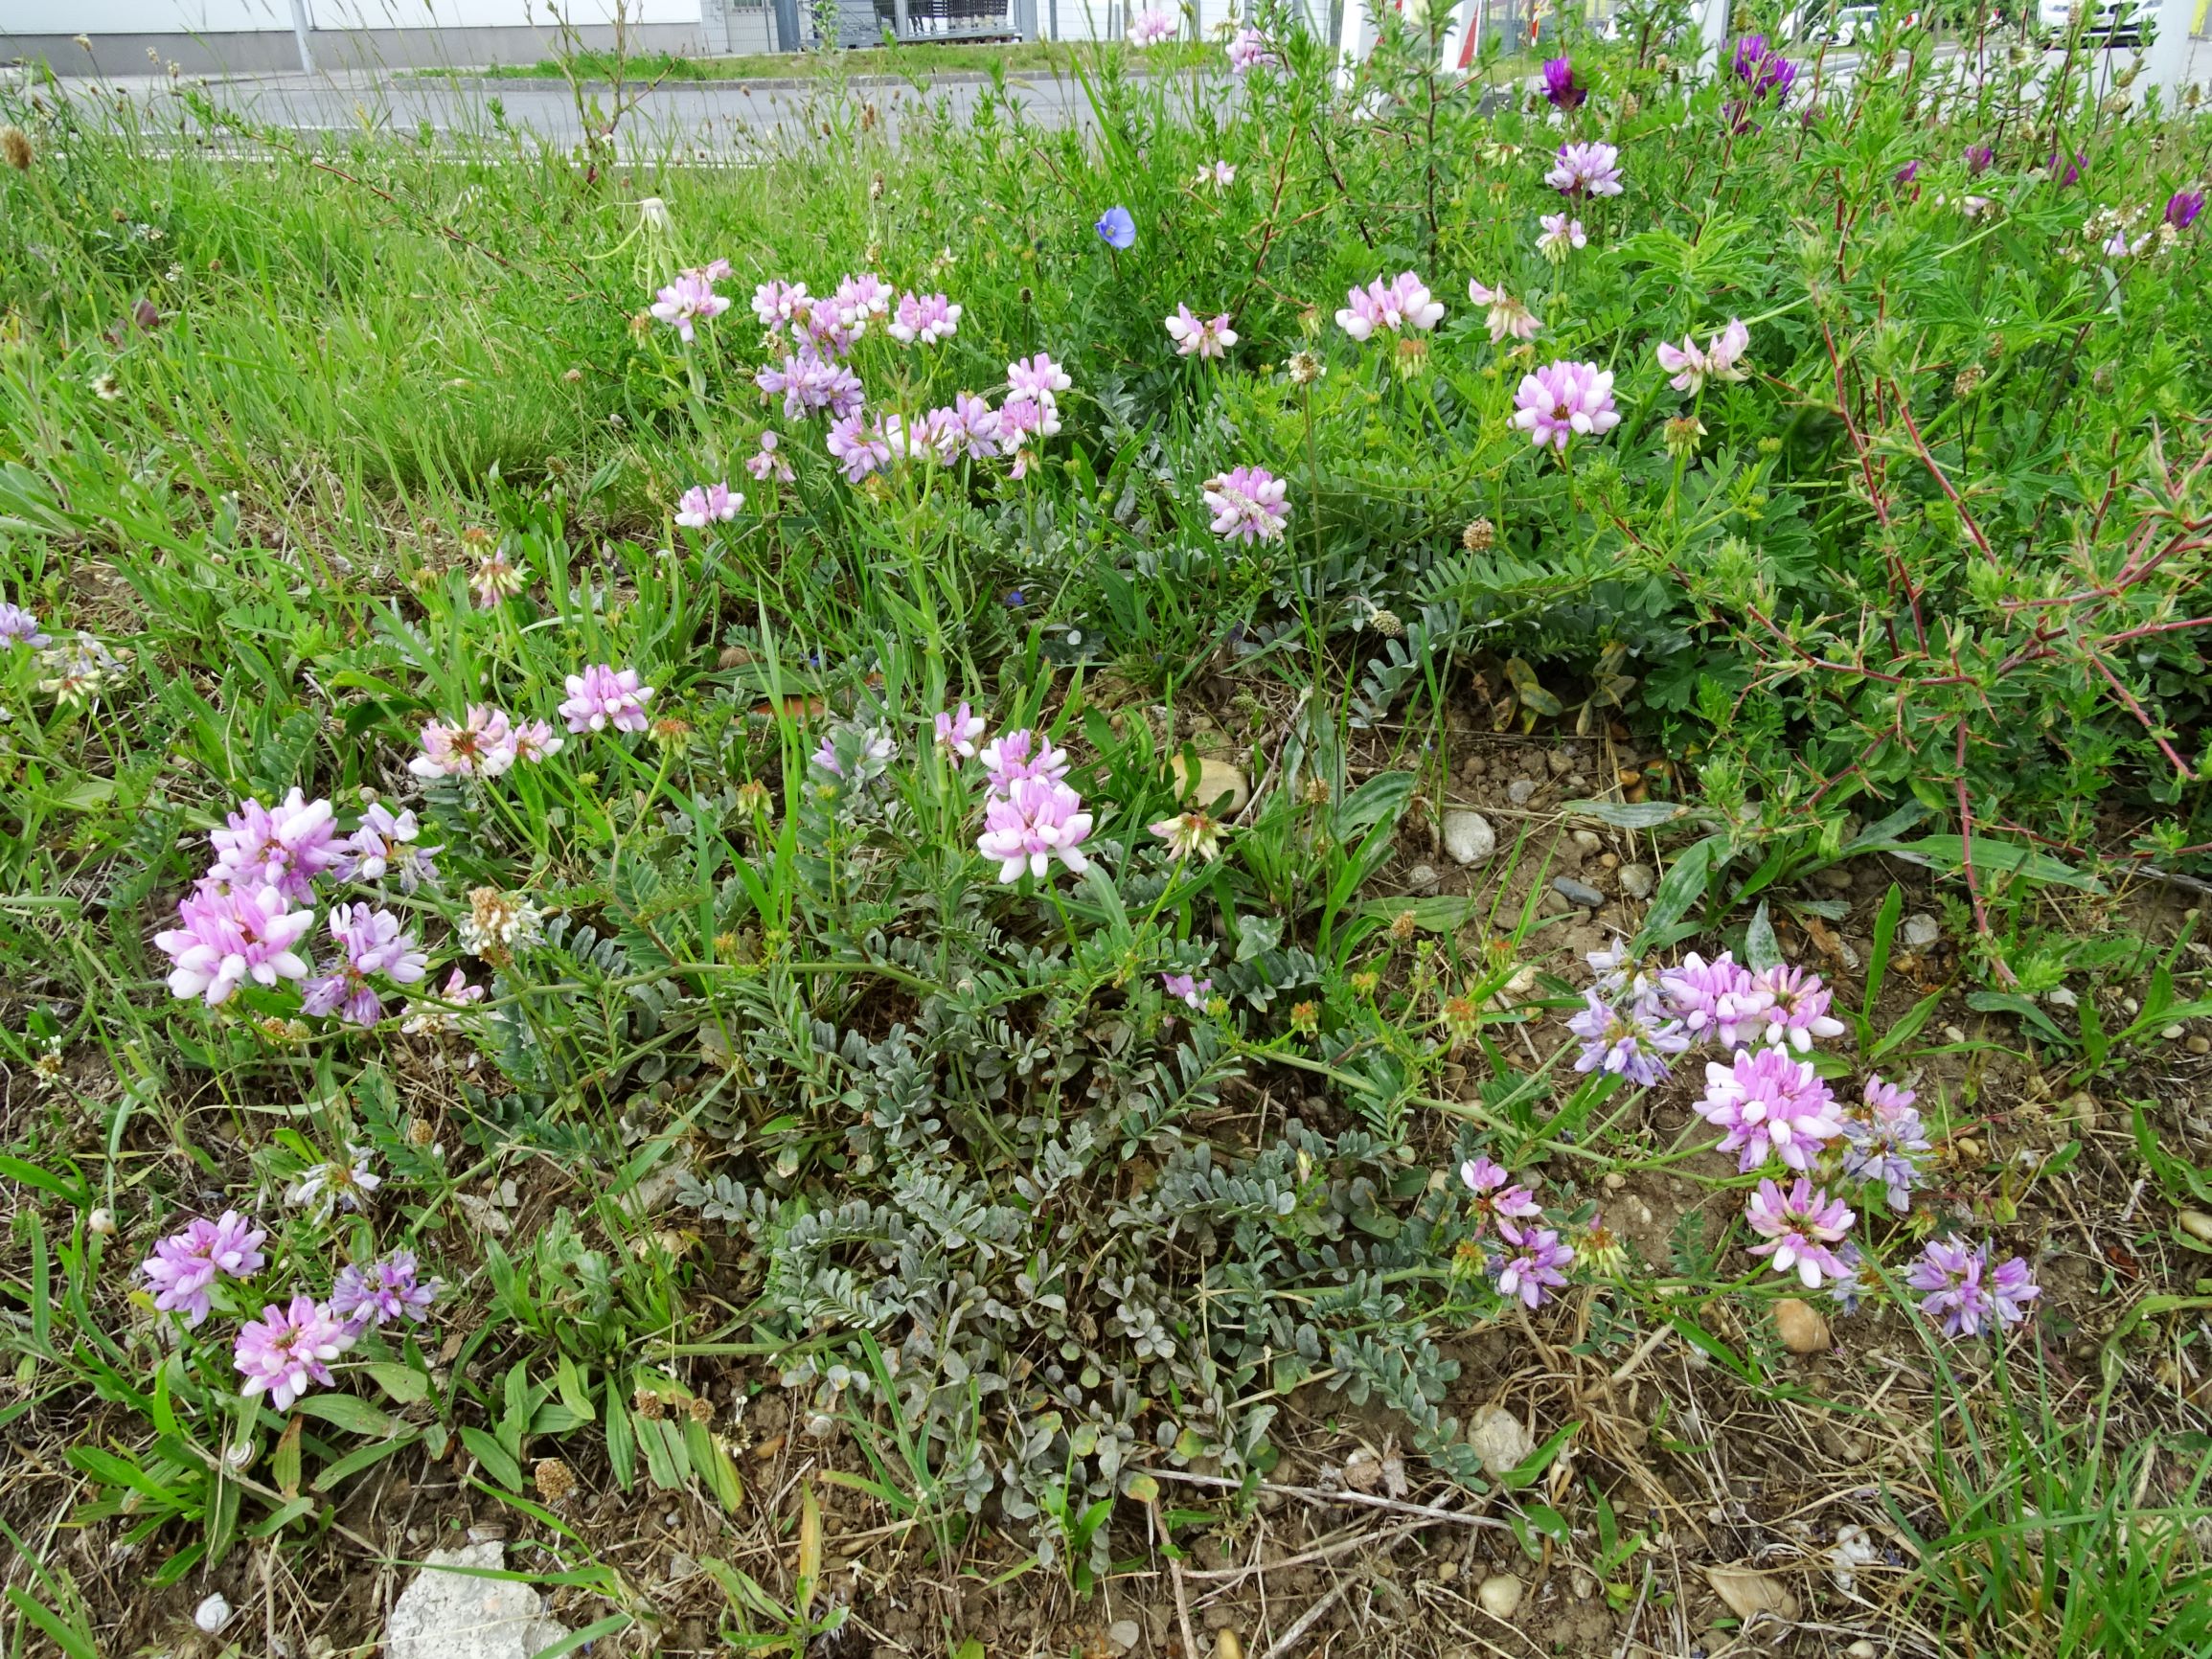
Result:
<point x="1468" y="835"/>
<point x="211" y="1614"/>
<point x="1637" y="880"/>
<point x="447" y="1615"/>
<point x="1499" y="1440"/>
<point x="1922" y="930"/>
<point x="1501" y="1595"/>
<point x="1422" y="879"/>
<point x="1122" y="1634"/>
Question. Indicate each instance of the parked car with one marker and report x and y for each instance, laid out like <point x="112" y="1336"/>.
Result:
<point x="2110" y="22"/>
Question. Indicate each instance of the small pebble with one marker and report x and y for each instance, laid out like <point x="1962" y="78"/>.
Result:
<point x="1588" y="840"/>
<point x="1580" y="892"/>
<point x="1616" y="1181"/>
<point x="1951" y="1033"/>
<point x="1579" y="783"/>
<point x="2197" y="1224"/>
<point x="1803" y="1329"/>
<point x="1559" y="761"/>
<point x="1519" y="791"/>
<point x="1637" y="880"/>
<point x="1835" y="879"/>
<point x="1501" y="1595"/>
<point x="1467" y="836"/>
<point x="2172" y="1034"/>
<point x="1422" y="879"/>
<point x="1922" y="930"/>
<point x="2200" y="1043"/>
<point x="1122" y="1634"/>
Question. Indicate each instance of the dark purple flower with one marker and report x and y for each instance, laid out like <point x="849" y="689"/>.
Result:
<point x="1560" y="87"/>
<point x="2182" y="208"/>
<point x="1761" y="68"/>
<point x="383" y="1290"/>
<point x="1906" y="174"/>
<point x="2072" y="169"/>
<point x="1979" y="158"/>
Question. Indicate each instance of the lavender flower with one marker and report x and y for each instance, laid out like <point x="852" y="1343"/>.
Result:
<point x="966" y="426"/>
<point x="426" y="1018"/>
<point x="1498" y="1200"/>
<point x="960" y="731"/>
<point x="857" y="443"/>
<point x="1035" y="822"/>
<point x="1200" y="337"/>
<point x="1584" y="170"/>
<point x="1020" y="753"/>
<point x="1218" y="174"/>
<point x="780" y="305"/>
<point x="1560" y="87"/>
<point x="370" y="942"/>
<point x="1632" y="1041"/>
<point x="1038" y="378"/>
<point x="481" y="747"/>
<point x="1247" y="503"/>
<point x="1558" y="236"/>
<point x="2182" y="208"/>
<point x="1533" y="1266"/>
<point x="705" y="504"/>
<point x="1152" y="25"/>
<point x="287" y="1350"/>
<point x="1884" y="1137"/>
<point x="1248" y="50"/>
<point x="534" y="741"/>
<point x="600" y="696"/>
<point x="384" y="1291"/>
<point x="386" y="842"/>
<point x="812" y="383"/>
<point x="1116" y="228"/>
<point x="690" y="299"/>
<point x="925" y="319"/>
<point x="768" y="464"/>
<point x="861" y="299"/>
<point x="1191" y="991"/>
<point x="1769" y="1105"/>
<point x="1800" y="1227"/>
<point x="1798" y="1011"/>
<point x="1506" y="315"/>
<point x="1964" y="1294"/>
<point x="184" y="1266"/>
<point x="1715" y="999"/>
<point x="285" y="848"/>
<point x="1859" y="1280"/>
<point x="1563" y="401"/>
<point x="19" y="627"/>
<point x="224" y="939"/>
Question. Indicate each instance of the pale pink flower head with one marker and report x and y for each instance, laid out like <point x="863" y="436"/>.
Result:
<point x="1498" y="1200"/>
<point x="967" y="426"/>
<point x="766" y="464"/>
<point x="1038" y="378"/>
<point x="386" y="843"/>
<point x="812" y="383"/>
<point x="925" y="319"/>
<point x="1247" y="503"/>
<point x="1218" y="174"/>
<point x="284" y="847"/>
<point x="705" y="504"/>
<point x="1402" y="305"/>
<point x="690" y="299"/>
<point x="1504" y="314"/>
<point x="1964" y="1293"/>
<point x="1801" y="1227"/>
<point x="1770" y="1105"/>
<point x="1585" y="169"/>
<point x="602" y="697"/>
<point x="19" y="627"/>
<point x="1719" y="359"/>
<point x="1035" y="822"/>
<point x="1191" y="989"/>
<point x="780" y="306"/>
<point x="222" y="940"/>
<point x="1152" y="25"/>
<point x="369" y="941"/>
<point x="1195" y="336"/>
<point x="534" y="741"/>
<point x="1563" y="401"/>
<point x="1559" y="235"/>
<point x="288" y="1351"/>
<point x="1021" y="754"/>
<point x="1797" y="1007"/>
<point x="1721" y="998"/>
<point x="1532" y="1263"/>
<point x="960" y="731"/>
<point x="482" y="746"/>
<point x="1248" y="50"/>
<point x="858" y="445"/>
<point x="185" y="1265"/>
<point x="861" y="299"/>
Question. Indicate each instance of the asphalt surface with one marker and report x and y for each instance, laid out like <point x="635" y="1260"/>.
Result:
<point x="703" y="121"/>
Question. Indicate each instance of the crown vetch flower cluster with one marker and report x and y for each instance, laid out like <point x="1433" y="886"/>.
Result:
<point x="1964" y="1293"/>
<point x="1403" y="305"/>
<point x="184" y="1266"/>
<point x="484" y="744"/>
<point x="601" y="696"/>
<point x="1585" y="169"/>
<point x="1196" y="336"/>
<point x="1633" y="1039"/>
<point x="1564" y="401"/>
<point x="1720" y="359"/>
<point x="1505" y="315"/>
<point x="1247" y="503"/>
<point x="1802" y="1228"/>
<point x="369" y="941"/>
<point x="1769" y="1105"/>
<point x="705" y="504"/>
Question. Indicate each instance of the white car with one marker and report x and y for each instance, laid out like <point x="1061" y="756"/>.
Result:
<point x="2113" y="22"/>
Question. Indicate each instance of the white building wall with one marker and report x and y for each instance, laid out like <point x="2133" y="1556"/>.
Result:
<point x="226" y="16"/>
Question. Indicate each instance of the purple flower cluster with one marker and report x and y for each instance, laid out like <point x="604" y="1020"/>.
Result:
<point x="370" y="942"/>
<point x="812" y="384"/>
<point x="1718" y="999"/>
<point x="603" y="696"/>
<point x="1564" y="401"/>
<point x="483" y="743"/>
<point x="1249" y="49"/>
<point x="382" y="1292"/>
<point x="288" y="1351"/>
<point x="925" y="319"/>
<point x="1802" y="1227"/>
<point x="1247" y="503"/>
<point x="19" y="627"/>
<point x="690" y="299"/>
<point x="1768" y="1104"/>
<point x="1196" y="336"/>
<point x="705" y="504"/>
<point x="1762" y="69"/>
<point x="1886" y="1138"/>
<point x="1190" y="990"/>
<point x="184" y="1266"/>
<point x="2182" y="208"/>
<point x="1585" y="169"/>
<point x="1965" y="1294"/>
<point x="1532" y="1263"/>
<point x="1560" y="87"/>
<point x="1632" y="1039"/>
<point x="285" y="847"/>
<point x="1500" y="1201"/>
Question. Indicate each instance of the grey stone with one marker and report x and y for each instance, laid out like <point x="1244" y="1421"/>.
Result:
<point x="1922" y="930"/>
<point x="1588" y="840"/>
<point x="1122" y="1634"/>
<point x="1422" y="879"/>
<point x="450" y="1615"/>
<point x="1575" y="892"/>
<point x="1468" y="835"/>
<point x="1637" y="880"/>
<point x="1499" y="1439"/>
<point x="1559" y="761"/>
<point x="1519" y="791"/>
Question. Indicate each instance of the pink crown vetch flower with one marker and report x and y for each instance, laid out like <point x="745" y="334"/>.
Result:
<point x="1801" y="1227"/>
<point x="1504" y="314"/>
<point x="1402" y="305"/>
<point x="1770" y="1105"/>
<point x="1585" y="169"/>
<point x="383" y="1290"/>
<point x="1247" y="503"/>
<point x="284" y="847"/>
<point x="960" y="731"/>
<point x="1797" y="1007"/>
<point x="705" y="504"/>
<point x="1532" y="1264"/>
<point x="1152" y="25"/>
<point x="1965" y="1294"/>
<point x="1719" y="998"/>
<point x="690" y="299"/>
<point x="925" y="319"/>
<point x="1559" y="235"/>
<point x="1719" y="358"/>
<point x="1037" y="820"/>
<point x="222" y="940"/>
<point x="370" y="942"/>
<point x="1564" y="401"/>
<point x="601" y="696"/>
<point x="482" y="746"/>
<point x="1498" y="1200"/>
<point x="185" y="1265"/>
<point x="288" y="1351"/>
<point x="1196" y="336"/>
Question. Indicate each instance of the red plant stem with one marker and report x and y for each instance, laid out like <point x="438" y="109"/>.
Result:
<point x="2180" y="766"/>
<point x="1873" y="486"/>
<point x="2167" y="627"/>
<point x="1928" y="461"/>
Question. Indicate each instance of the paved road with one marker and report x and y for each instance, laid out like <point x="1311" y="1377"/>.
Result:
<point x="725" y="121"/>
